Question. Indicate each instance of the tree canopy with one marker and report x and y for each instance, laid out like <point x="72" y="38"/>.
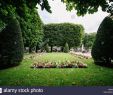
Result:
<point x="31" y="26"/>
<point x="81" y="6"/>
<point x="30" y="3"/>
<point x="59" y="34"/>
<point x="88" y="6"/>
<point x="30" y="22"/>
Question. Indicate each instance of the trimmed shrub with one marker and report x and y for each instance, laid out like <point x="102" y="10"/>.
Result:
<point x="11" y="44"/>
<point x="47" y="48"/>
<point x="102" y="51"/>
<point x="59" y="34"/>
<point x="66" y="48"/>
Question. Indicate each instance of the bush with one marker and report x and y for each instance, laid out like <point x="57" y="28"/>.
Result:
<point x="11" y="45"/>
<point x="66" y="48"/>
<point x="47" y="48"/>
<point x="102" y="51"/>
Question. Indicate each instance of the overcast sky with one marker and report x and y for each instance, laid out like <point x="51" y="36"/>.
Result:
<point x="59" y="14"/>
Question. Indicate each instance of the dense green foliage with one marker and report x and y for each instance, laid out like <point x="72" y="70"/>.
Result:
<point x="31" y="26"/>
<point x="29" y="22"/>
<point x="59" y="34"/>
<point x="82" y="6"/>
<point x="66" y="48"/>
<point x="31" y="4"/>
<point x="88" y="6"/>
<point x="11" y="44"/>
<point x="88" y="40"/>
<point x="102" y="51"/>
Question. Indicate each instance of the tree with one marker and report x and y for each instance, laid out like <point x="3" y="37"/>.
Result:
<point x="31" y="26"/>
<point x="102" y="51"/>
<point x="66" y="48"/>
<point x="11" y="44"/>
<point x="31" y="4"/>
<point x="11" y="50"/>
<point x="30" y="22"/>
<point x="47" y="47"/>
<point x="59" y="34"/>
<point x="82" y="6"/>
<point x="88" y="6"/>
<point x="88" y="40"/>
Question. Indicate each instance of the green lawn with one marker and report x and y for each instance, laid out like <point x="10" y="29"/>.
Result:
<point x="23" y="75"/>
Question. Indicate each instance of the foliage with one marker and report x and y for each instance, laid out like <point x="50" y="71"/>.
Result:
<point x="47" y="47"/>
<point x="11" y="44"/>
<point x="88" y="40"/>
<point x="30" y="22"/>
<point x="102" y="51"/>
<point x="66" y="48"/>
<point x="88" y="6"/>
<point x="59" y="34"/>
<point x="31" y="4"/>
<point x="2" y="25"/>
<point x="82" y="6"/>
<point x="31" y="26"/>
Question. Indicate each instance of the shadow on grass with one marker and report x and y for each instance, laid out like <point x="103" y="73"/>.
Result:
<point x="108" y="65"/>
<point x="8" y="66"/>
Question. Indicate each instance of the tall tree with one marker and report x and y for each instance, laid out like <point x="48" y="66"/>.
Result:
<point x="10" y="9"/>
<point x="31" y="26"/>
<point x="88" y="40"/>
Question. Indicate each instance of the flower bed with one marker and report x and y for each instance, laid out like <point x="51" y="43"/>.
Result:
<point x="67" y="64"/>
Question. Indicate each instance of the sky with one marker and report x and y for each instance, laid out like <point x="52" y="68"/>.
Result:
<point x="59" y="14"/>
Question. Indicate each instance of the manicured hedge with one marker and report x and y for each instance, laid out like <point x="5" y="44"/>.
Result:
<point x="11" y="44"/>
<point x="102" y="51"/>
<point x="59" y="34"/>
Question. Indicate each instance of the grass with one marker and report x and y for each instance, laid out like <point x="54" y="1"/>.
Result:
<point x="23" y="75"/>
<point x="55" y="57"/>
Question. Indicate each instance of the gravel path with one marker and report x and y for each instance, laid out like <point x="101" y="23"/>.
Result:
<point x="84" y="54"/>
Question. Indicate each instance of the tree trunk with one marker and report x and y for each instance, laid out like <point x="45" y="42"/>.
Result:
<point x="62" y="49"/>
<point x="51" y="48"/>
<point x="37" y="48"/>
<point x="108" y="60"/>
<point x="30" y="49"/>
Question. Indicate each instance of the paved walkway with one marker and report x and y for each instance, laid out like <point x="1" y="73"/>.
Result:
<point x="84" y="54"/>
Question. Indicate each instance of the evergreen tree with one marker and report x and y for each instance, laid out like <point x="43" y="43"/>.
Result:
<point x="47" y="48"/>
<point x="102" y="51"/>
<point x="66" y="48"/>
<point x="11" y="44"/>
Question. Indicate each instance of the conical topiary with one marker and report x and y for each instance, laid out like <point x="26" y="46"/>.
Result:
<point x="102" y="51"/>
<point x="66" y="48"/>
<point x="11" y="44"/>
<point x="47" y="48"/>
